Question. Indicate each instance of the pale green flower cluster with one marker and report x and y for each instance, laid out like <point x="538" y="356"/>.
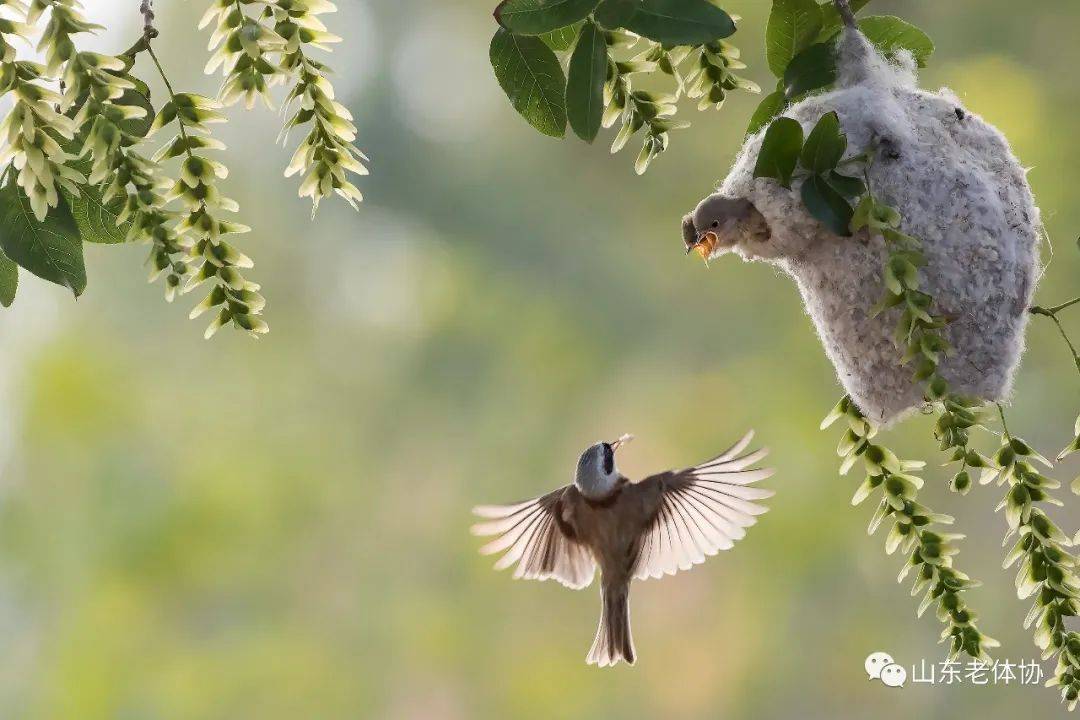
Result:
<point x="1047" y="566"/>
<point x="245" y="50"/>
<point x="110" y="125"/>
<point x="104" y="104"/>
<point x="255" y="56"/>
<point x="639" y="109"/>
<point x="151" y="221"/>
<point x="713" y="78"/>
<point x="65" y="20"/>
<point x="708" y="82"/>
<point x="101" y="113"/>
<point x="32" y="133"/>
<point x="327" y="153"/>
<point x="199" y="225"/>
<point x="930" y="552"/>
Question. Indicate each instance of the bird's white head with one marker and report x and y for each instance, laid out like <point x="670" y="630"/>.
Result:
<point x="597" y="476"/>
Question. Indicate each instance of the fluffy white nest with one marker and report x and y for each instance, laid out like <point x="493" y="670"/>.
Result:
<point x="960" y="190"/>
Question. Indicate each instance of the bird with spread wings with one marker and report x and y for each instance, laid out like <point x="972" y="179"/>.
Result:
<point x="631" y="530"/>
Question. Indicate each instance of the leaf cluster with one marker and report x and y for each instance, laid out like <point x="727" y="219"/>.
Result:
<point x="1046" y="567"/>
<point x="826" y="192"/>
<point x="605" y="43"/>
<point x="801" y="43"/>
<point x="74" y="172"/>
<point x="930" y="552"/>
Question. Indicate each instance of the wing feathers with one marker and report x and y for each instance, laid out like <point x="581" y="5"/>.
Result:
<point x="733" y="450"/>
<point x="703" y="510"/>
<point x="530" y="536"/>
<point x="737" y="463"/>
<point x="743" y="477"/>
<point x="500" y="511"/>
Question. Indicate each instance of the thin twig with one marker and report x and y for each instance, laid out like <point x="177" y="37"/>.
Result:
<point x="846" y="14"/>
<point x="1051" y="313"/>
<point x="146" y="8"/>
<point x="149" y="32"/>
<point x="1004" y="425"/>
<point x="1039" y="310"/>
<point x="172" y="95"/>
<point x="1065" y="335"/>
<point x="139" y="46"/>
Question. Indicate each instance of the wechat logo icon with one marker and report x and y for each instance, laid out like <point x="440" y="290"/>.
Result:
<point x="881" y="666"/>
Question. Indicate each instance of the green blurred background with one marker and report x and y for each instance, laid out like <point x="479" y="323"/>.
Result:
<point x="278" y="529"/>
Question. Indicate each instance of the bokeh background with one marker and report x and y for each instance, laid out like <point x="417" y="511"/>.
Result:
<point x="278" y="529"/>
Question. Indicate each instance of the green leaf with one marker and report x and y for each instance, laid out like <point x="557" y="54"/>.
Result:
<point x="825" y="145"/>
<point x="827" y="205"/>
<point x="540" y="16"/>
<point x="50" y="249"/>
<point x="535" y="17"/>
<point x="770" y="106"/>
<point x="780" y="151"/>
<point x="793" y="26"/>
<point x="95" y="218"/>
<point x="585" y="82"/>
<point x="830" y="18"/>
<point x="9" y="280"/>
<point x="891" y="34"/>
<point x="680" y="22"/>
<point x="531" y="76"/>
<point x="849" y="187"/>
<point x="140" y="97"/>
<point x="812" y="69"/>
<point x="562" y="39"/>
<point x="615" y="14"/>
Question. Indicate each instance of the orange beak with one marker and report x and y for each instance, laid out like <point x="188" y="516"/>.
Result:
<point x="704" y="246"/>
<point x="621" y="441"/>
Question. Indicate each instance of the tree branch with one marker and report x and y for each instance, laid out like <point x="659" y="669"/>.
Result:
<point x="149" y="32"/>
<point x="1051" y="313"/>
<point x="1039" y="310"/>
<point x="846" y="14"/>
<point x="146" y="8"/>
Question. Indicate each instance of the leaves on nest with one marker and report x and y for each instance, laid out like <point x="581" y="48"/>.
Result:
<point x="793" y="26"/>
<point x="780" y="149"/>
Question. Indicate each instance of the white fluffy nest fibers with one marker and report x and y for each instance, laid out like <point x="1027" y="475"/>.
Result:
<point x="959" y="189"/>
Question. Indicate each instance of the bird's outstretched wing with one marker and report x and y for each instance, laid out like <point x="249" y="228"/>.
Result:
<point x="535" y="535"/>
<point x="701" y="510"/>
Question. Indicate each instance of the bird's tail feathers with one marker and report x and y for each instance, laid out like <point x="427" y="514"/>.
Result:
<point x="613" y="641"/>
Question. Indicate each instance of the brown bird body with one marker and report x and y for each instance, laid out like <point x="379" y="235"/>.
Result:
<point x="630" y="530"/>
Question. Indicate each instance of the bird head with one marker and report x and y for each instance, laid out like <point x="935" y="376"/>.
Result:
<point x="720" y="223"/>
<point x="596" y="474"/>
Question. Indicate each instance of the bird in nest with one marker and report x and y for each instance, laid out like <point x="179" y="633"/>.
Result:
<point x="631" y="530"/>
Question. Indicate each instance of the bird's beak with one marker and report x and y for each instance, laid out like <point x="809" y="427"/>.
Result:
<point x="621" y="441"/>
<point x="704" y="245"/>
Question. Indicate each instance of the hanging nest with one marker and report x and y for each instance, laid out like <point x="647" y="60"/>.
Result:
<point x="959" y="189"/>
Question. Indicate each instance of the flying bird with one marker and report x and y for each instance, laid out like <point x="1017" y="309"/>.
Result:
<point x="631" y="530"/>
